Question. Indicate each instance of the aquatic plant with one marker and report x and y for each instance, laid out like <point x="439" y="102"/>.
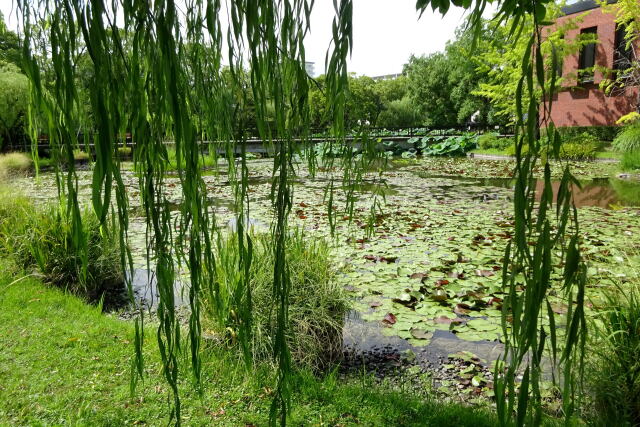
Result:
<point x="317" y="303"/>
<point x="40" y="238"/>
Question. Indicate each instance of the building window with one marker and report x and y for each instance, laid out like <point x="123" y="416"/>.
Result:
<point x="622" y="54"/>
<point x="587" y="58"/>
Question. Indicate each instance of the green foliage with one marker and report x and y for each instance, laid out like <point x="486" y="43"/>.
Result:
<point x="42" y="238"/>
<point x="441" y="86"/>
<point x="578" y="150"/>
<point x="614" y="371"/>
<point x="317" y="304"/>
<point x="53" y="341"/>
<point x="628" y="139"/>
<point x="626" y="76"/>
<point x="14" y="97"/>
<point x="10" y="47"/>
<point x="630" y="160"/>
<point x="493" y="141"/>
<point x="500" y="56"/>
<point x="601" y="133"/>
<point x="14" y="164"/>
<point x="362" y="104"/>
<point x="450" y="146"/>
<point x="399" y="113"/>
<point x="583" y="138"/>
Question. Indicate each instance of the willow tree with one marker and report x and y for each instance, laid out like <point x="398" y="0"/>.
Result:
<point x="159" y="73"/>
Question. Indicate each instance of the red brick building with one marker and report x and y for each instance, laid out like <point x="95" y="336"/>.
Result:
<point x="581" y="102"/>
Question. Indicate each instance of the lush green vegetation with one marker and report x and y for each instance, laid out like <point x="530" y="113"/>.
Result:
<point x="14" y="164"/>
<point x="65" y="362"/>
<point x="614" y="372"/>
<point x="628" y="140"/>
<point x="161" y="75"/>
<point x="317" y="303"/>
<point x="42" y="239"/>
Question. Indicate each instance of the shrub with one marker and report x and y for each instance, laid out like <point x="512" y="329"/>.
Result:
<point x="578" y="151"/>
<point x="630" y="160"/>
<point x="571" y="151"/>
<point x="601" y="133"/>
<point x="629" y="139"/>
<point x="583" y="138"/>
<point x="41" y="238"/>
<point x="316" y="303"/>
<point x="614" y="374"/>
<point x="493" y="141"/>
<point x="14" y="164"/>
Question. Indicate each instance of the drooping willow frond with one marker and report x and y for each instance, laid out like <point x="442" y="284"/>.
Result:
<point x="186" y="72"/>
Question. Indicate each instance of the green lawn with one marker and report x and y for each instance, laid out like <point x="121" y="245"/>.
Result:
<point x="63" y="362"/>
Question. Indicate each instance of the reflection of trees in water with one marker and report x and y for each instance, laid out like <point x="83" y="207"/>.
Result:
<point x="628" y="192"/>
<point x="600" y="192"/>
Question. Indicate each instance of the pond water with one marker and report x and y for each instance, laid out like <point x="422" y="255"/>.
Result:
<point x="610" y="193"/>
<point x="426" y="278"/>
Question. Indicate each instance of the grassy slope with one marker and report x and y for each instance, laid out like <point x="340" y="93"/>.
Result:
<point x="63" y="362"/>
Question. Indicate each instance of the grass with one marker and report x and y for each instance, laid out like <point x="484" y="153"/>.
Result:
<point x="14" y="164"/>
<point x="317" y="304"/>
<point x="614" y="374"/>
<point x="490" y="151"/>
<point x="63" y="362"/>
<point x="630" y="160"/>
<point x="206" y="160"/>
<point x="40" y="239"/>
<point x="628" y="139"/>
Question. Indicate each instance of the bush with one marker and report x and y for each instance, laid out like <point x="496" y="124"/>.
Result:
<point x="317" y="303"/>
<point x="14" y="164"/>
<point x="614" y="374"/>
<point x="570" y="151"/>
<point x="630" y="160"/>
<point x="399" y="113"/>
<point x="583" y="138"/>
<point x="629" y="139"/>
<point x="493" y="141"/>
<point x="41" y="238"/>
<point x="601" y="133"/>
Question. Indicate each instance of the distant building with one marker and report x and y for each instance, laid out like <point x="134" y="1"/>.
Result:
<point x="387" y="76"/>
<point x="311" y="68"/>
<point x="580" y="102"/>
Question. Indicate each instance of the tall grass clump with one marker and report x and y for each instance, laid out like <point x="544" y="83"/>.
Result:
<point x="14" y="164"/>
<point x="317" y="303"/>
<point x="628" y="139"/>
<point x="41" y="239"/>
<point x="614" y="377"/>
<point x="630" y="160"/>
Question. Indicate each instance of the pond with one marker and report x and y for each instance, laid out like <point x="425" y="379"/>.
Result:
<point x="426" y="279"/>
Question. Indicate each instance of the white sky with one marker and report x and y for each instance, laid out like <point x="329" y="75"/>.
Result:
<point x="385" y="33"/>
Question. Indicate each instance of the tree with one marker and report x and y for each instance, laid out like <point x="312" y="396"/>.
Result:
<point x="500" y="60"/>
<point x="442" y="84"/>
<point x="155" y="95"/>
<point x="625" y="77"/>
<point x="14" y="100"/>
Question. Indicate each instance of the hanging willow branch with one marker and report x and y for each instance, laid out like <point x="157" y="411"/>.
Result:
<point x="158" y="73"/>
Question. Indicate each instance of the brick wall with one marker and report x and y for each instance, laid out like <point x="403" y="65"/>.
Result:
<point x="584" y="104"/>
